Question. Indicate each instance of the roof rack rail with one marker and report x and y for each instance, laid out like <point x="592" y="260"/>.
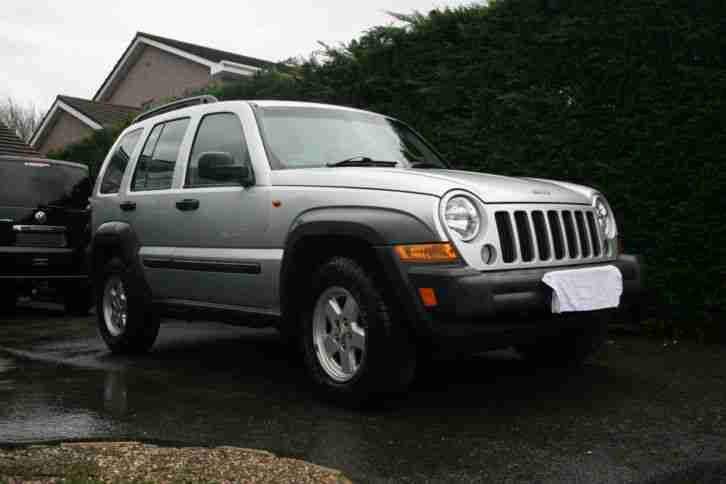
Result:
<point x="173" y="106"/>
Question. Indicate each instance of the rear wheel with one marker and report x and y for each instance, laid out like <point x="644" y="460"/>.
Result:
<point x="353" y="349"/>
<point x="573" y="346"/>
<point x="126" y="322"/>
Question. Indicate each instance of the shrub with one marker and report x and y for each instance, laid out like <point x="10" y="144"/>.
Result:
<point x="625" y="95"/>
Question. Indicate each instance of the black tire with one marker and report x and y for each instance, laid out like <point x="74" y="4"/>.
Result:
<point x="390" y="358"/>
<point x="574" y="345"/>
<point x="142" y="325"/>
<point x="78" y="301"/>
<point x="8" y="299"/>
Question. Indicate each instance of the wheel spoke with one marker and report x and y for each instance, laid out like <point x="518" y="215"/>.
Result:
<point x="350" y="309"/>
<point x="347" y="360"/>
<point x="333" y="311"/>
<point x="115" y="306"/>
<point x="330" y="346"/>
<point x="357" y="337"/>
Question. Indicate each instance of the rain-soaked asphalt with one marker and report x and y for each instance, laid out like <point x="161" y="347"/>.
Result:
<point x="641" y="412"/>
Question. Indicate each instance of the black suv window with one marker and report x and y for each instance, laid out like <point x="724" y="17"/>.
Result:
<point x="29" y="183"/>
<point x="217" y="133"/>
<point x="155" y="168"/>
<point x="119" y="160"/>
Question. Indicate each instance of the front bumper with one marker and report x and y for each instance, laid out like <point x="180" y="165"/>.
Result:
<point x="503" y="306"/>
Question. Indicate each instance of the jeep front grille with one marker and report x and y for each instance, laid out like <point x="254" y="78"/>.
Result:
<point x="548" y="235"/>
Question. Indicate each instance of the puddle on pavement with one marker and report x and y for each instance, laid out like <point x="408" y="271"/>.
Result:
<point x="468" y="421"/>
<point x="42" y="402"/>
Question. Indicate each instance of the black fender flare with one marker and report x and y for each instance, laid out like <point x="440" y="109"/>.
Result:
<point x="119" y="238"/>
<point x="380" y="228"/>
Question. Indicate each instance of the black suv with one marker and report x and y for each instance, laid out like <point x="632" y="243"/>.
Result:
<point x="44" y="231"/>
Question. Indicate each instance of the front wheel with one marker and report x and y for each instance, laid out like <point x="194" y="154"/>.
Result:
<point x="353" y="349"/>
<point x="125" y="320"/>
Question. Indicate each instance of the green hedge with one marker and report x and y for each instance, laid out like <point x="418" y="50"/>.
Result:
<point x="628" y="96"/>
<point x="91" y="151"/>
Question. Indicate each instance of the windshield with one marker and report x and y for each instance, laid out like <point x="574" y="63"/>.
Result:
<point x="310" y="137"/>
<point x="34" y="183"/>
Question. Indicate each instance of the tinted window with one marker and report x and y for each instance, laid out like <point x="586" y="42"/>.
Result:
<point x="155" y="168"/>
<point x="33" y="184"/>
<point x="217" y="133"/>
<point x="142" y="166"/>
<point x="119" y="160"/>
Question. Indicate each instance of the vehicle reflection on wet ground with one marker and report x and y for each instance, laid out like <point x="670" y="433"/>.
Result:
<point x="640" y="411"/>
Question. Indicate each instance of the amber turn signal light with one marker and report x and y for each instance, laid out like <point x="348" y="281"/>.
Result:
<point x="428" y="296"/>
<point x="440" y="252"/>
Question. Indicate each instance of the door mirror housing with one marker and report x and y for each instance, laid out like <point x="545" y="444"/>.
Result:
<point x="220" y="166"/>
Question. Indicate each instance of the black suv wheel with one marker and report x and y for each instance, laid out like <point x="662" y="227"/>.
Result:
<point x="353" y="350"/>
<point x="125" y="321"/>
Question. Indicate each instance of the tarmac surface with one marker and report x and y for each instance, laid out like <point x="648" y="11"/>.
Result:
<point x="642" y="411"/>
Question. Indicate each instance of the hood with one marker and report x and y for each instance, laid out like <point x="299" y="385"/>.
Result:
<point x="490" y="188"/>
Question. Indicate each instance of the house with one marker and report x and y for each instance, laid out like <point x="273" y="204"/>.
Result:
<point x="151" y="69"/>
<point x="11" y="145"/>
<point x="72" y="119"/>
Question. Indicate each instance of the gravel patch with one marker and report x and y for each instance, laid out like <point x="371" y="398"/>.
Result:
<point x="112" y="462"/>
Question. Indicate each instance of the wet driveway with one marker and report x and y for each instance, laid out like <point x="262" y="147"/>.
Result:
<point x="641" y="412"/>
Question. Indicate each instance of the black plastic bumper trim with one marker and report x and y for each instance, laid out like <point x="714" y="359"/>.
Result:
<point x="494" y="302"/>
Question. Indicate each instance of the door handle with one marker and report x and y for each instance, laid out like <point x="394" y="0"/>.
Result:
<point x="127" y="206"/>
<point x="187" y="204"/>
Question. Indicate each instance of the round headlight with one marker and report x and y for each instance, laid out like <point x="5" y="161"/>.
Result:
<point x="462" y="217"/>
<point x="605" y="217"/>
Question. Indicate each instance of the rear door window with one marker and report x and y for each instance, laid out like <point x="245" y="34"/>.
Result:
<point x="155" y="168"/>
<point x="119" y="161"/>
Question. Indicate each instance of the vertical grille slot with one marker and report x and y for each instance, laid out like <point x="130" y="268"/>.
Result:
<point x="540" y="230"/>
<point x="506" y="236"/>
<point x="556" y="230"/>
<point x="583" y="235"/>
<point x="547" y="235"/>
<point x="594" y="238"/>
<point x="525" y="236"/>
<point x="570" y="233"/>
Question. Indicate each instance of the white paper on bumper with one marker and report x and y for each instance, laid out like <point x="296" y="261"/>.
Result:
<point x="587" y="289"/>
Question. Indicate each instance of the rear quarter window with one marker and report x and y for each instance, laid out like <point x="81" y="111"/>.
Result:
<point x="111" y="182"/>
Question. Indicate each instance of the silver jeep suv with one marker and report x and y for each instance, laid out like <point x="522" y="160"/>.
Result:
<point x="349" y="233"/>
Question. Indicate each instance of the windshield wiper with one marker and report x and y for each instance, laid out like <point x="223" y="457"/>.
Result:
<point x="424" y="164"/>
<point x="362" y="161"/>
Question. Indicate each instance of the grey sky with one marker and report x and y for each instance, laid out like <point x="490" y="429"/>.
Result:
<point x="68" y="47"/>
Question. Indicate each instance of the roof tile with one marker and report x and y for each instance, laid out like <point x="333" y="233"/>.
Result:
<point x="10" y="144"/>
<point x="208" y="53"/>
<point x="105" y="114"/>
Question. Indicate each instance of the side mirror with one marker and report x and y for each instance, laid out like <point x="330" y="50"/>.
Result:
<point x="220" y="167"/>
